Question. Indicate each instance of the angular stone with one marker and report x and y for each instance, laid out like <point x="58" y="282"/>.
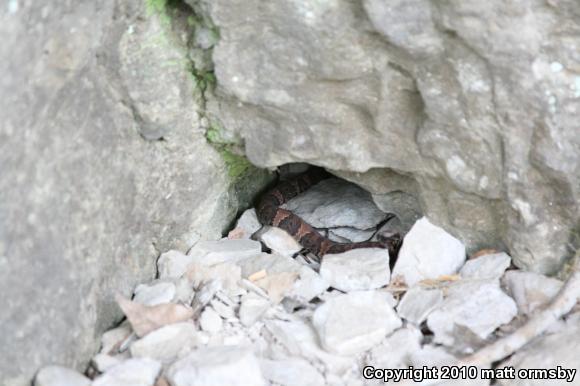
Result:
<point x="280" y="241"/>
<point x="246" y="225"/>
<point x="479" y="306"/>
<point x="172" y="264"/>
<point x="357" y="269"/>
<point x="252" y="308"/>
<point x="394" y="351"/>
<point x="132" y="372"/>
<point x="418" y="302"/>
<point x="490" y="266"/>
<point x="210" y="320"/>
<point x="215" y="252"/>
<point x="60" y="376"/>
<point x="428" y="252"/>
<point x="151" y="295"/>
<point x="224" y="365"/>
<point x="166" y="343"/>
<point x="103" y="362"/>
<point x="336" y="203"/>
<point x="291" y="372"/>
<point x="112" y="339"/>
<point x="226" y="273"/>
<point x="354" y="322"/>
<point x="530" y="290"/>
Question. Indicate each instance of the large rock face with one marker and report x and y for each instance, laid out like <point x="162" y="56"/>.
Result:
<point x="89" y="195"/>
<point x="472" y="105"/>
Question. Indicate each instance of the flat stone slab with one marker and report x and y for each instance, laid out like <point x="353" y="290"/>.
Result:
<point x="215" y="252"/>
<point x="491" y="266"/>
<point x="351" y="323"/>
<point x="418" y="302"/>
<point x="222" y="365"/>
<point x="357" y="269"/>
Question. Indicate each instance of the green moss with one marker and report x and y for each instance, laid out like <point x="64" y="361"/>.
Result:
<point x="237" y="165"/>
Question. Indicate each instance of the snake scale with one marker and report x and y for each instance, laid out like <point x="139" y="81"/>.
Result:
<point x="270" y="213"/>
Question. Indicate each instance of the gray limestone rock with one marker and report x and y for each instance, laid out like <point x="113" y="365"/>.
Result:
<point x="60" y="376"/>
<point x="166" y="343"/>
<point x="491" y="266"/>
<point x="132" y="372"/>
<point x="480" y="306"/>
<point x="223" y="365"/>
<point x="87" y="198"/>
<point x="351" y="323"/>
<point x="357" y="269"/>
<point x="464" y="99"/>
<point x="427" y="253"/>
<point x="151" y="295"/>
<point x="417" y="304"/>
<point x="530" y="290"/>
<point x="225" y="250"/>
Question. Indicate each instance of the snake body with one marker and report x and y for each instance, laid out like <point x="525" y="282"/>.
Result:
<point x="270" y="213"/>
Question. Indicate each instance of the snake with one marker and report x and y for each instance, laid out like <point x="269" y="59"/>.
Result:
<point x="270" y="212"/>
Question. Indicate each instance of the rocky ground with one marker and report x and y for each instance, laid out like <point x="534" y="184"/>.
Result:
<point x="239" y="311"/>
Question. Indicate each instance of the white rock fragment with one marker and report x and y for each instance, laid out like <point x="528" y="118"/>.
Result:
<point x="224" y="310"/>
<point x="395" y="350"/>
<point x="491" y="266"/>
<point x="172" y="264"/>
<point x="215" y="252"/>
<point x="184" y="292"/>
<point x="132" y="372"/>
<point x="357" y="269"/>
<point x="480" y="306"/>
<point x="232" y="366"/>
<point x="226" y="273"/>
<point x="354" y="322"/>
<point x="112" y="339"/>
<point x="252" y="308"/>
<point x="291" y="372"/>
<point x="530" y="290"/>
<point x="246" y="225"/>
<point x="298" y="337"/>
<point x="151" y="295"/>
<point x="427" y="253"/>
<point x="60" y="376"/>
<point x="336" y="203"/>
<point x="166" y="343"/>
<point x="103" y="362"/>
<point x="210" y="321"/>
<point x="418" y="302"/>
<point x="280" y="241"/>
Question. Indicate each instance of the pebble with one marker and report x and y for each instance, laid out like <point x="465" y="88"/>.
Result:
<point x="132" y="372"/>
<point x="252" y="307"/>
<point x="246" y="225"/>
<point x="291" y="372"/>
<point x="530" y="290"/>
<point x="60" y="376"/>
<point x="226" y="273"/>
<point x="357" y="269"/>
<point x="479" y="306"/>
<point x="215" y="252"/>
<point x="491" y="266"/>
<point x="172" y="264"/>
<point x="103" y="362"/>
<point x="154" y="294"/>
<point x="225" y="365"/>
<point x="280" y="241"/>
<point x="112" y="339"/>
<point x="166" y="343"/>
<point x="427" y="253"/>
<point x="210" y="320"/>
<point x="418" y="302"/>
<point x="351" y="323"/>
